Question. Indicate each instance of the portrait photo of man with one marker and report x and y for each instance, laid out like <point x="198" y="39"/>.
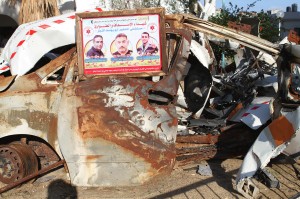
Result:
<point x="96" y="49"/>
<point x="121" y="42"/>
<point x="147" y="47"/>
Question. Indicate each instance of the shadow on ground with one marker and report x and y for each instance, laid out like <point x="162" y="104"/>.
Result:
<point x="59" y="189"/>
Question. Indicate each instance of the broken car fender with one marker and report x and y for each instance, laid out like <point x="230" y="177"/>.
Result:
<point x="269" y="144"/>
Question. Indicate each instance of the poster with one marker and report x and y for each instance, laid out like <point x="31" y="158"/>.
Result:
<point x="121" y="44"/>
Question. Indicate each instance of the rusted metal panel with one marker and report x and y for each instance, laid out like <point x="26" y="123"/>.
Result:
<point x="233" y="141"/>
<point x="23" y="83"/>
<point x="240" y="27"/>
<point x="188" y="153"/>
<point x="30" y="108"/>
<point x="109" y="125"/>
<point x="6" y="81"/>
<point x="46" y="154"/>
<point x="110" y="130"/>
<point x="178" y="51"/>
<point x="198" y="139"/>
<point x="23" y="113"/>
<point x="117" y="129"/>
<point x="294" y="37"/>
<point x="55" y="64"/>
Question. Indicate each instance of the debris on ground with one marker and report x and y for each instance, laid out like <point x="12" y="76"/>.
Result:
<point x="204" y="170"/>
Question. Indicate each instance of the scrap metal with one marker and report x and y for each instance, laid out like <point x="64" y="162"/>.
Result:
<point x="99" y="126"/>
<point x="245" y="39"/>
<point x="103" y="126"/>
<point x="281" y="135"/>
<point x="16" y="162"/>
<point x="264" y="176"/>
<point x="239" y="27"/>
<point x="198" y="139"/>
<point x="31" y="176"/>
<point x="271" y="142"/>
<point x="294" y="37"/>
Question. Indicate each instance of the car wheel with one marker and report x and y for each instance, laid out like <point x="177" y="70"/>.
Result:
<point x="17" y="160"/>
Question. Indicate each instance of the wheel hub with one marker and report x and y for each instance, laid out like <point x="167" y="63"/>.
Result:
<point x="17" y="160"/>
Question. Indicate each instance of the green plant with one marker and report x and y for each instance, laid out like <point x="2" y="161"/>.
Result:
<point x="268" y="28"/>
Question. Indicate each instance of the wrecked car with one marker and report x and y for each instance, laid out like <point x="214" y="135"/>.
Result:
<point x="101" y="126"/>
<point x="282" y="134"/>
<point x="277" y="115"/>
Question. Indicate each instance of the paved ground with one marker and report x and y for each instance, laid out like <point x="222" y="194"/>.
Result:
<point x="183" y="183"/>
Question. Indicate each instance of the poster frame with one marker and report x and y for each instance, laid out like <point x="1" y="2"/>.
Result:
<point x="158" y="70"/>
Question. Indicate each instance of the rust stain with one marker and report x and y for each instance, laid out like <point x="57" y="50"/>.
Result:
<point x="174" y="122"/>
<point x="281" y="130"/>
<point x="5" y="82"/>
<point x="235" y="111"/>
<point x="36" y="119"/>
<point x="199" y="139"/>
<point x="52" y="135"/>
<point x="239" y="26"/>
<point x="188" y="153"/>
<point x="108" y="125"/>
<point x="98" y="118"/>
<point x="62" y="60"/>
<point x="93" y="157"/>
<point x="45" y="152"/>
<point x="144" y="103"/>
<point x="294" y="37"/>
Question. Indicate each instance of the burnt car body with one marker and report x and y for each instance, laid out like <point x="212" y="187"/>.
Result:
<point x="103" y="126"/>
<point x="111" y="131"/>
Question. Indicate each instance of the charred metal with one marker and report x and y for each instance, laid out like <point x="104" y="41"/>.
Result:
<point x="99" y="126"/>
